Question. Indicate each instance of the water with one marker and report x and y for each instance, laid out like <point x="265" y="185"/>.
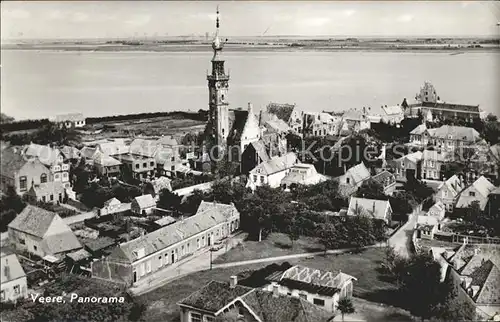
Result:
<point x="38" y="84"/>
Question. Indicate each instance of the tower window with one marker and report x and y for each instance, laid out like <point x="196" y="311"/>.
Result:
<point x="222" y="131"/>
<point x="222" y="97"/>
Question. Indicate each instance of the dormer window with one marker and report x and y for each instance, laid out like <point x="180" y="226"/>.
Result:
<point x="139" y="253"/>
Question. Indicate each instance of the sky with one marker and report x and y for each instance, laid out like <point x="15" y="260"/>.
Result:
<point x="109" y="19"/>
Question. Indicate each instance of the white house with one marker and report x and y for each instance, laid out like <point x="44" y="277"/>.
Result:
<point x="478" y="191"/>
<point x="302" y="174"/>
<point x="318" y="287"/>
<point x="143" y="205"/>
<point x="73" y="120"/>
<point x="271" y="172"/>
<point x="448" y="192"/>
<point x="13" y="284"/>
<point x="353" y="178"/>
<point x="372" y="208"/>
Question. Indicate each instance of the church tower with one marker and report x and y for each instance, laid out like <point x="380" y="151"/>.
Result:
<point x="218" y="84"/>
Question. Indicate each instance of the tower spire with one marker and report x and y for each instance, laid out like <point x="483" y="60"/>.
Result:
<point x="217" y="20"/>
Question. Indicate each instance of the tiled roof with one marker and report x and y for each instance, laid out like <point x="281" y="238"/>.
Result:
<point x="167" y="220"/>
<point x="303" y="173"/>
<point x="359" y="173"/>
<point x="143" y="147"/>
<point x="488" y="278"/>
<point x="458" y="107"/>
<point x="214" y="296"/>
<point x="11" y="162"/>
<point x="111" y="202"/>
<point x="413" y="157"/>
<point x="419" y="129"/>
<point x="427" y="220"/>
<point x="434" y="155"/>
<point x="70" y="152"/>
<point x="161" y="183"/>
<point x="237" y="121"/>
<point x="271" y="308"/>
<point x="145" y="201"/>
<point x="282" y="111"/>
<point x="10" y="268"/>
<point x="167" y="141"/>
<point x="481" y="185"/>
<point x="437" y="207"/>
<point x="33" y="220"/>
<point x="44" y="153"/>
<point x="88" y="152"/>
<point x="205" y="218"/>
<point x="276" y="164"/>
<point x="260" y="149"/>
<point x="62" y="242"/>
<point x="453" y="184"/>
<point x="100" y="243"/>
<point x="113" y="148"/>
<point x="455" y="132"/>
<point x="383" y="176"/>
<point x="495" y="151"/>
<point x="389" y="110"/>
<point x="105" y="160"/>
<point x="370" y="207"/>
<point x="79" y="255"/>
<point x="70" y="117"/>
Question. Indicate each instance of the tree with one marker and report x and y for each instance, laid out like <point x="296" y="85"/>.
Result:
<point x="293" y="229"/>
<point x="169" y="200"/>
<point x="345" y="306"/>
<point x="371" y="189"/>
<point x="327" y="236"/>
<point x="452" y="308"/>
<point x="421" y="279"/>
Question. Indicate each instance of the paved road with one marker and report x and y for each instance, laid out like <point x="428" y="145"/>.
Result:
<point x="401" y="240"/>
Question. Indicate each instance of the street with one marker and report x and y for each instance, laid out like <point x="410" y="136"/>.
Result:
<point x="401" y="240"/>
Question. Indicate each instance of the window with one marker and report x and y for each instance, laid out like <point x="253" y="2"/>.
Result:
<point x="182" y="250"/>
<point x="65" y="175"/>
<point x="23" y="183"/>
<point x="198" y="245"/>
<point x="303" y="296"/>
<point x="165" y="261"/>
<point x="159" y="261"/>
<point x="35" y="248"/>
<point x="172" y="159"/>
<point x="261" y="179"/>
<point x="51" y="197"/>
<point x="144" y="165"/>
<point x="195" y="317"/>
<point x="472" y="193"/>
<point x="43" y="178"/>
<point x="319" y="302"/>
<point x="152" y="164"/>
<point x="188" y="247"/>
<point x="148" y="266"/>
<point x="22" y="241"/>
<point x="57" y="176"/>
<point x="203" y="241"/>
<point x="172" y="168"/>
<point x="2" y="295"/>
<point x="137" y="166"/>
<point x="17" y="289"/>
<point x="348" y="180"/>
<point x="142" y="270"/>
<point x="254" y="178"/>
<point x="44" y="199"/>
<point x="208" y="318"/>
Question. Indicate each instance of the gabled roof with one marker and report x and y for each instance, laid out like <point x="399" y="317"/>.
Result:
<point x="457" y="107"/>
<point x="113" y="148"/>
<point x="413" y="157"/>
<point x="455" y="133"/>
<point x="427" y="221"/>
<point x="33" y="220"/>
<point x="495" y="151"/>
<point x="216" y="296"/>
<point x="44" y="153"/>
<point x="205" y="218"/>
<point x="434" y="155"/>
<point x="383" y="176"/>
<point x="112" y="202"/>
<point x="10" y="268"/>
<point x="282" y="111"/>
<point x="437" y="207"/>
<point x="303" y="173"/>
<point x="482" y="186"/>
<point x="369" y="207"/>
<point x="391" y="110"/>
<point x="62" y="242"/>
<point x="145" y="201"/>
<point x="237" y="121"/>
<point x="70" y="152"/>
<point x="260" y="149"/>
<point x="11" y="162"/>
<point x="276" y="164"/>
<point x="143" y="147"/>
<point x="419" y="129"/>
<point x="161" y="183"/>
<point x="359" y="173"/>
<point x="487" y="276"/>
<point x="105" y="160"/>
<point x="167" y="141"/>
<point x="453" y="184"/>
<point x="88" y="152"/>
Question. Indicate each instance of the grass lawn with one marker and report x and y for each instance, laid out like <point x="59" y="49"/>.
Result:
<point x="162" y="302"/>
<point x="276" y="244"/>
<point x="371" y="286"/>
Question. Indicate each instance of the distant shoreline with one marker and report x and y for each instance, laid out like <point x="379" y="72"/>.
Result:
<point x="246" y="48"/>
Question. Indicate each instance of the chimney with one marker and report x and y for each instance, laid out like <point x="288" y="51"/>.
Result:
<point x="276" y="292"/>
<point x="233" y="281"/>
<point x="250" y="107"/>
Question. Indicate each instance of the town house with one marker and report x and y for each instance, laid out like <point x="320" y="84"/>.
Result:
<point x="445" y="138"/>
<point x="302" y="174"/>
<point x="143" y="205"/>
<point x="319" y="124"/>
<point x="14" y="285"/>
<point x="271" y="172"/>
<point x="387" y="180"/>
<point x="431" y="164"/>
<point x="138" y="259"/>
<point x="242" y="303"/>
<point x="41" y="232"/>
<point x="447" y="192"/>
<point x="477" y="191"/>
<point x="353" y="178"/>
<point x="407" y="166"/>
<point x="53" y="159"/>
<point x="22" y="173"/>
<point x="318" y="287"/>
<point x="50" y="192"/>
<point x="371" y="208"/>
<point x="106" y="165"/>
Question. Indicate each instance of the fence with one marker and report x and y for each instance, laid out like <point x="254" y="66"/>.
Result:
<point x="460" y="239"/>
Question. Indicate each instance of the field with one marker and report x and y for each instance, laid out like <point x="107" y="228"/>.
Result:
<point x="275" y="244"/>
